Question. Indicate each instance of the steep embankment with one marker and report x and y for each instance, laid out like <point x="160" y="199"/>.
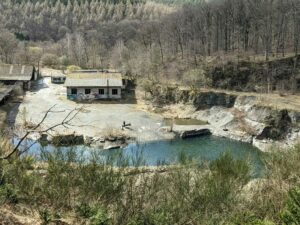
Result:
<point x="238" y="116"/>
<point x="279" y="74"/>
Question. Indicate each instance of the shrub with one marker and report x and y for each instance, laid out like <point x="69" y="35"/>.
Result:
<point x="246" y="219"/>
<point x="45" y="216"/>
<point x="196" y="78"/>
<point x="64" y="60"/>
<point x="291" y="215"/>
<point x="147" y="85"/>
<point x="100" y="217"/>
<point x="151" y="218"/>
<point x="50" y="60"/>
<point x="226" y="167"/>
<point x="261" y="222"/>
<point x="72" y="68"/>
<point x="188" y="193"/>
<point x="84" y="210"/>
<point x="8" y="194"/>
<point x="97" y="215"/>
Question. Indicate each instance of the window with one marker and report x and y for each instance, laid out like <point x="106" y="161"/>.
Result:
<point x="74" y="91"/>
<point x="87" y="91"/>
<point x="114" y="91"/>
<point x="101" y="91"/>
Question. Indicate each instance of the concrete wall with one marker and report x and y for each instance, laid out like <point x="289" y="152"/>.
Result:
<point x="95" y="93"/>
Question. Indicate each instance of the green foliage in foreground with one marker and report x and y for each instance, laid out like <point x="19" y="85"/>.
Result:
<point x="189" y="193"/>
<point x="179" y="2"/>
<point x="292" y="214"/>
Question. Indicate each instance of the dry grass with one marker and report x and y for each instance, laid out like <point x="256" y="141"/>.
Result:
<point x="275" y="101"/>
<point x="19" y="215"/>
<point x="5" y="147"/>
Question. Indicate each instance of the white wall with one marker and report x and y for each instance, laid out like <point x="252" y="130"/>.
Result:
<point x="95" y="92"/>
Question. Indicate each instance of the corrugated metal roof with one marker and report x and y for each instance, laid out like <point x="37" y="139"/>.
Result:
<point x="15" y="72"/>
<point x="94" y="80"/>
<point x="96" y="71"/>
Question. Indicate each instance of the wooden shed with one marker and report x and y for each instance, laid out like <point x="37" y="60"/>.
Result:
<point x="10" y="74"/>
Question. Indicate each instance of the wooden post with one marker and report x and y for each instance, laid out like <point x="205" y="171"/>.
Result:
<point x="107" y="88"/>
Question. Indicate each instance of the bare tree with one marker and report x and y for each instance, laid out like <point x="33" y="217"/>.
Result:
<point x="65" y="122"/>
<point x="8" y="45"/>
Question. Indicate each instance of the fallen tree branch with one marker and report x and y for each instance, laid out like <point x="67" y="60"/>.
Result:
<point x="65" y="122"/>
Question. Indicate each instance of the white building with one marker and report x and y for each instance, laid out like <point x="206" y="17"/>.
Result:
<point x="81" y="86"/>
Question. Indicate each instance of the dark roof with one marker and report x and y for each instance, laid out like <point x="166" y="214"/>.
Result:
<point x="94" y="80"/>
<point x="15" y="73"/>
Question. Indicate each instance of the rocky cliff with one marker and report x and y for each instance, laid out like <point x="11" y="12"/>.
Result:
<point x="199" y="99"/>
<point x="239" y="117"/>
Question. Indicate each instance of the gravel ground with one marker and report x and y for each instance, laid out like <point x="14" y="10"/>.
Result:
<point x="96" y="118"/>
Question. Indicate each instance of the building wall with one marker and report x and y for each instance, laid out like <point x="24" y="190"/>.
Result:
<point x="58" y="80"/>
<point x="94" y="93"/>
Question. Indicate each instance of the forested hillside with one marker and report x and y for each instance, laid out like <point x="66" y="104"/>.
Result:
<point x="33" y="19"/>
<point x="146" y="38"/>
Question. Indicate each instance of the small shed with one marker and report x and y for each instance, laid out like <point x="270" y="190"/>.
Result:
<point x="97" y="85"/>
<point x="58" y="78"/>
<point x="10" y="74"/>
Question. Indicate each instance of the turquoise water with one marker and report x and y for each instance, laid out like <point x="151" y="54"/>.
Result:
<point x="166" y="152"/>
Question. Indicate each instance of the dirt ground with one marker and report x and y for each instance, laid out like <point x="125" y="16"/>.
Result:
<point x="94" y="121"/>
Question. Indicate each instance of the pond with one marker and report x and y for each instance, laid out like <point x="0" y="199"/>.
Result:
<point x="166" y="152"/>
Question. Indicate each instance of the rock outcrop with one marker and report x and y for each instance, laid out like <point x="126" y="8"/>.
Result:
<point x="277" y="125"/>
<point x="243" y="120"/>
<point x="199" y="99"/>
<point x="205" y="100"/>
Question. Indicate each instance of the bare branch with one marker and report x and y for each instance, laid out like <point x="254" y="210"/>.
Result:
<point x="65" y="122"/>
